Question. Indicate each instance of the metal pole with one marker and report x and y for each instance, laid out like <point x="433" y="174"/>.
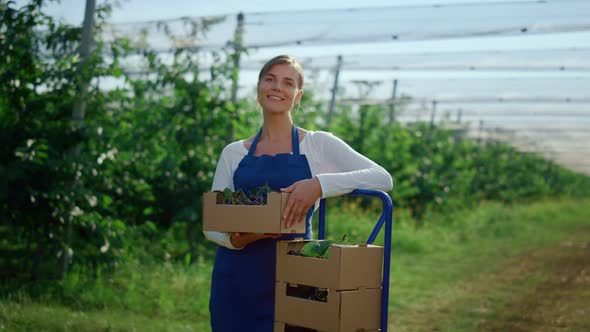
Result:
<point x="434" y="102"/>
<point x="322" y="219"/>
<point x="79" y="112"/>
<point x="392" y="105"/>
<point x="334" y="90"/>
<point x="480" y="132"/>
<point x="238" y="46"/>
<point x="85" y="45"/>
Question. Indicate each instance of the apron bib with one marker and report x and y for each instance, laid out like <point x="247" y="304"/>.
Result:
<point x="243" y="281"/>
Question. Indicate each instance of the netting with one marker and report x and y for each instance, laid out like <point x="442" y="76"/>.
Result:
<point x="364" y="25"/>
<point x="568" y="59"/>
<point x="536" y="99"/>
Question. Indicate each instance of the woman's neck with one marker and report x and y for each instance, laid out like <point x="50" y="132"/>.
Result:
<point x="276" y="128"/>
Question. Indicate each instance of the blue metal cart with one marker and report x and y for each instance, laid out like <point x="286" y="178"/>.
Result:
<point x="385" y="218"/>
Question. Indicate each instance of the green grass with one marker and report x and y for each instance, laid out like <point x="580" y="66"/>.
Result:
<point x="430" y="267"/>
<point x="471" y="249"/>
<point x="30" y="316"/>
<point x="136" y="297"/>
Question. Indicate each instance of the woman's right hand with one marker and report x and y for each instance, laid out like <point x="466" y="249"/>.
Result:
<point x="241" y="240"/>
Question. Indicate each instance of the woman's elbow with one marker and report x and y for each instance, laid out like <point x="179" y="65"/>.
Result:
<point x="388" y="182"/>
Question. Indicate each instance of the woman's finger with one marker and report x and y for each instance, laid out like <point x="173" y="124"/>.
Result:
<point x="297" y="213"/>
<point x="288" y="211"/>
<point x="298" y="205"/>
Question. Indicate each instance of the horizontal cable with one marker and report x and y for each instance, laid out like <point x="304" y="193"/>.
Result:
<point x="482" y="99"/>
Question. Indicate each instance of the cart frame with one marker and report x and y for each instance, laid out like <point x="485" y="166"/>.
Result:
<point x="385" y="218"/>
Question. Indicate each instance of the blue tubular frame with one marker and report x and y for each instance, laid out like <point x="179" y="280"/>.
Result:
<point x="387" y="218"/>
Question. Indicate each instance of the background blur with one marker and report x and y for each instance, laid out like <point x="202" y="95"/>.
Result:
<point x="113" y="115"/>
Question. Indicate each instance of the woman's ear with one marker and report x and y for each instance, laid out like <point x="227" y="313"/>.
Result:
<point x="299" y="96"/>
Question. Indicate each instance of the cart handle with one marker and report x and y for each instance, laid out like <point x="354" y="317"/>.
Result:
<point x="387" y="218"/>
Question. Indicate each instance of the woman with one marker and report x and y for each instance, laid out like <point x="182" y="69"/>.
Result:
<point x="309" y="165"/>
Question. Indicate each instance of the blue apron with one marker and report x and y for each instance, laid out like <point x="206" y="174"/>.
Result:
<point x="243" y="281"/>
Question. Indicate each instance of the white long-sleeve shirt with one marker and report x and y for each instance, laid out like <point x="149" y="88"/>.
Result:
<point x="338" y="167"/>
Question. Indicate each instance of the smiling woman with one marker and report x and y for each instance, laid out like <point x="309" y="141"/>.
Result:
<point x="309" y="165"/>
<point x="280" y="85"/>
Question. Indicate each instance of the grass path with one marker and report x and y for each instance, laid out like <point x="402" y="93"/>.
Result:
<point x="560" y="301"/>
<point x="542" y="284"/>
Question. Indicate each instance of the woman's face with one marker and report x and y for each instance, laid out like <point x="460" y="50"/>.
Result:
<point x="278" y="89"/>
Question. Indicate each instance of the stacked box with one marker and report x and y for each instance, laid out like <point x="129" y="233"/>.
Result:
<point x="248" y="218"/>
<point x="338" y="293"/>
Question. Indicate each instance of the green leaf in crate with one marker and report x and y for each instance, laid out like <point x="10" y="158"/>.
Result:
<point x="316" y="248"/>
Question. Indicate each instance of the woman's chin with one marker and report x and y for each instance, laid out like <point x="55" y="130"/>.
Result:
<point x="276" y="111"/>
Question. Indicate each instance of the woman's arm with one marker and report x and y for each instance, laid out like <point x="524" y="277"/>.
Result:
<point x="340" y="169"/>
<point x="222" y="179"/>
<point x="337" y="169"/>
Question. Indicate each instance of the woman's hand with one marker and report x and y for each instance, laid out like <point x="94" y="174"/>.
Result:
<point x="304" y="193"/>
<point x="241" y="240"/>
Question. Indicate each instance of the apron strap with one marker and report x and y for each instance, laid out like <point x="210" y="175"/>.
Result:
<point x="254" y="143"/>
<point x="294" y="142"/>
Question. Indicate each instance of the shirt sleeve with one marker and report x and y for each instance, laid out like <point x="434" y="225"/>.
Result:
<point x="340" y="169"/>
<point x="222" y="179"/>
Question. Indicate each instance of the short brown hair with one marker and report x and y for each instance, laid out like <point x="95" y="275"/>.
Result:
<point x="283" y="59"/>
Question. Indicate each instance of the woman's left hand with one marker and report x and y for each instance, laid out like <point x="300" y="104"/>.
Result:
<point x="304" y="193"/>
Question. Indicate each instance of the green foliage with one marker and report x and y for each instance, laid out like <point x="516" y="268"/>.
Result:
<point x="435" y="169"/>
<point x="134" y="171"/>
<point x="146" y="151"/>
<point x="256" y="196"/>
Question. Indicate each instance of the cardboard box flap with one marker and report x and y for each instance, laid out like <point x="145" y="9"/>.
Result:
<point x="247" y="218"/>
<point x="361" y="265"/>
<point x="323" y="316"/>
<point x="360" y="309"/>
<point x="355" y="310"/>
<point x="347" y="267"/>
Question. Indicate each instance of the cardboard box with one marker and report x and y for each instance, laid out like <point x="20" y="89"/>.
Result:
<point x="347" y="267"/>
<point x="281" y="327"/>
<point x="248" y="218"/>
<point x="347" y="310"/>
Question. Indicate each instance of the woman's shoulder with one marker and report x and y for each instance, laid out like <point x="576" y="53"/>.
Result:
<point x="320" y="137"/>
<point x="234" y="148"/>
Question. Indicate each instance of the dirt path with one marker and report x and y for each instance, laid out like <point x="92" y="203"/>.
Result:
<point x="542" y="290"/>
<point x="561" y="301"/>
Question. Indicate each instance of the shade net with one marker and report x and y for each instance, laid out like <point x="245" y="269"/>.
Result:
<point x="366" y="25"/>
<point x="536" y="99"/>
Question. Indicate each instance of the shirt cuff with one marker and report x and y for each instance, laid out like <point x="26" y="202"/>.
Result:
<point x="221" y="238"/>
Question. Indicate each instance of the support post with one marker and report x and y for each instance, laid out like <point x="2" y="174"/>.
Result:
<point x="238" y="47"/>
<point x="392" y="105"/>
<point x="334" y="90"/>
<point x="78" y="113"/>
<point x="432" y="113"/>
<point x="79" y="110"/>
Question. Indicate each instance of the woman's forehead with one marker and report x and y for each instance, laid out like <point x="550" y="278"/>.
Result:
<point x="283" y="70"/>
